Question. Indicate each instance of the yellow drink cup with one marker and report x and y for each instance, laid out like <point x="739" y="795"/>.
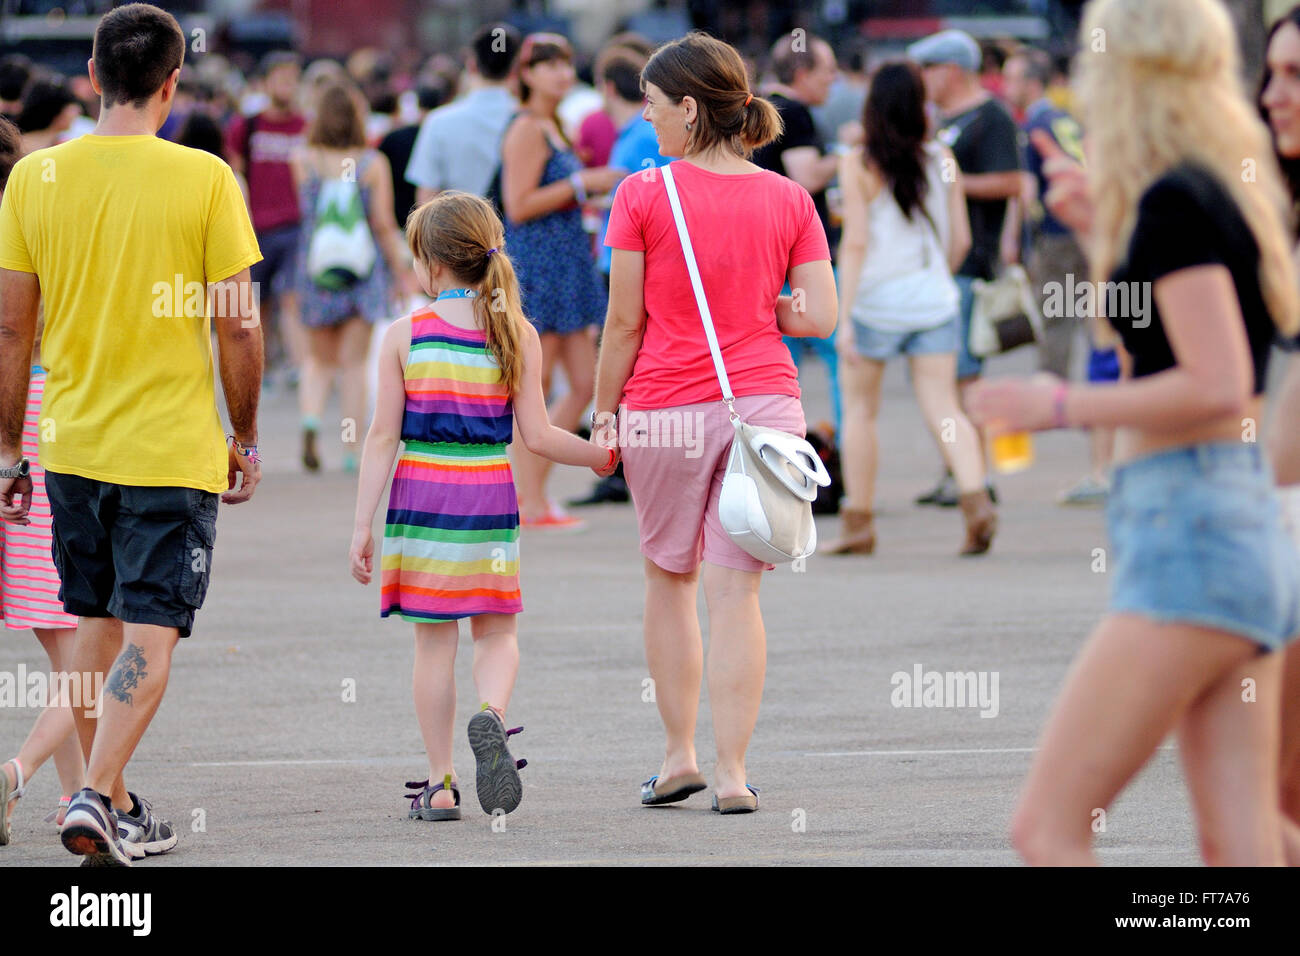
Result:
<point x="1012" y="451"/>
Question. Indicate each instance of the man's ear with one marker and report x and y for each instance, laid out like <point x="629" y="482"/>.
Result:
<point x="94" y="81"/>
<point x="169" y="85"/>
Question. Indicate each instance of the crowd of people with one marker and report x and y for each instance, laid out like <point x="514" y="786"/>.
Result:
<point x="512" y="221"/>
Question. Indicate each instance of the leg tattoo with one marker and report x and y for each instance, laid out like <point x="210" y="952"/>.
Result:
<point x="127" y="673"/>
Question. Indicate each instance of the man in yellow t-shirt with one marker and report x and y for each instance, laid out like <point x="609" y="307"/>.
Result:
<point x="122" y="235"/>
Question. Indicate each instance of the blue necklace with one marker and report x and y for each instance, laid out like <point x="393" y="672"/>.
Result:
<point x="456" y="294"/>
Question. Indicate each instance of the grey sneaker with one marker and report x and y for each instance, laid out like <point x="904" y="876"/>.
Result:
<point x="1088" y="491"/>
<point x="90" y="830"/>
<point x="146" y="834"/>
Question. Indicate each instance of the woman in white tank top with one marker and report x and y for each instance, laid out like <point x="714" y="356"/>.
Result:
<point x="905" y="229"/>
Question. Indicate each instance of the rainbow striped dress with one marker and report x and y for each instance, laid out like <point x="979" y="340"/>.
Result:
<point x="451" y="538"/>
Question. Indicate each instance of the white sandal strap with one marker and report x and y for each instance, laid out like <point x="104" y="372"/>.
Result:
<point x="21" y="788"/>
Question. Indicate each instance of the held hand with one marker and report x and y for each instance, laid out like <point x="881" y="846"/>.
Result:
<point x="608" y="465"/>
<point x="361" y="555"/>
<point x="1014" y="404"/>
<point x="251" y="472"/>
<point x="1067" y="193"/>
<point x="15" y="500"/>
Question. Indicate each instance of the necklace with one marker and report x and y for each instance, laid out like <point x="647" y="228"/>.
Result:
<point x="456" y="294"/>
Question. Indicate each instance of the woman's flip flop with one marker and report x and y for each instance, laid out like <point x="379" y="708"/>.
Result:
<point x="746" y="804"/>
<point x="655" y="792"/>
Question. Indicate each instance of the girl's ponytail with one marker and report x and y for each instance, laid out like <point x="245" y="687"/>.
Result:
<point x="502" y="315"/>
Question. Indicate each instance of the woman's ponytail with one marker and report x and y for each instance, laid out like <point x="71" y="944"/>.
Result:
<point x="761" y="124"/>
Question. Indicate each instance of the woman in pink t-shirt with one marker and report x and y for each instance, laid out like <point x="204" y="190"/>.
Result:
<point x="752" y="230"/>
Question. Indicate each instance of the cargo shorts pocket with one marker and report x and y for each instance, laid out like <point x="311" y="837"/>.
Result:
<point x="195" y="569"/>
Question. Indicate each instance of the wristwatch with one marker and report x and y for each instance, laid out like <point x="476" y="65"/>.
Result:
<point x="596" y="418"/>
<point x="21" y="469"/>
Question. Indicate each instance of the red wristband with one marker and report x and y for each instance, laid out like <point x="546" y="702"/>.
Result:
<point x="1058" y="407"/>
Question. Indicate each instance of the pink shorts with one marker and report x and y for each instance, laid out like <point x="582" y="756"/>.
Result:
<point x="674" y="460"/>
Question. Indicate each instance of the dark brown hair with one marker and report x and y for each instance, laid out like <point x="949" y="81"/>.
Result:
<point x="136" y="48"/>
<point x="713" y="74"/>
<point x="337" y="123"/>
<point x="1290" y="164"/>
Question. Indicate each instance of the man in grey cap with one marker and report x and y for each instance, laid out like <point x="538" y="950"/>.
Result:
<point x="984" y="139"/>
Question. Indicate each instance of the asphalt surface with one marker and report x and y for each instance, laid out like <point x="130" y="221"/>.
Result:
<point x="258" y="759"/>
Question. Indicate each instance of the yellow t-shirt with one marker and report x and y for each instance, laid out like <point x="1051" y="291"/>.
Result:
<point x="124" y="233"/>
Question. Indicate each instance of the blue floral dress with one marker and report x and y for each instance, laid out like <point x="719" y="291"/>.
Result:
<point x="562" y="291"/>
<point x="369" y="298"/>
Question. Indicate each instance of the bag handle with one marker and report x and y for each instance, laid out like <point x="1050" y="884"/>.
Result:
<point x="693" y="268"/>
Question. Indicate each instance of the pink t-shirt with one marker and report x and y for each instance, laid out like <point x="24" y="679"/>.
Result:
<point x="747" y="230"/>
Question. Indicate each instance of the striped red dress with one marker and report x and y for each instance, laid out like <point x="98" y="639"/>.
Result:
<point x="451" y="538"/>
<point x="29" y="584"/>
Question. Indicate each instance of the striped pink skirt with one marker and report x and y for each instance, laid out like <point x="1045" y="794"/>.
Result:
<point x="29" y="584"/>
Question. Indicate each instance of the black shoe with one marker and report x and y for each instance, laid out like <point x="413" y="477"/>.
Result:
<point x="611" y="489"/>
<point x="310" y="460"/>
<point x="993" y="495"/>
<point x="944" y="494"/>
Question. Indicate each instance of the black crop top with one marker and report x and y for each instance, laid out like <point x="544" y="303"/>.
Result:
<point x="1187" y="218"/>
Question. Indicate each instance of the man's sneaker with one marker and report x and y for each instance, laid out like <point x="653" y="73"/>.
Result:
<point x="944" y="494"/>
<point x="146" y="834"/>
<point x="90" y="830"/>
<point x="1088" y="491"/>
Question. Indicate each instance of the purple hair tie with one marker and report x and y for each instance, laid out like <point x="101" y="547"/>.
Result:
<point x="492" y="250"/>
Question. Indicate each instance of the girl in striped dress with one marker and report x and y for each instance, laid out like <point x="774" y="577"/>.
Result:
<point x="29" y="598"/>
<point x="454" y="378"/>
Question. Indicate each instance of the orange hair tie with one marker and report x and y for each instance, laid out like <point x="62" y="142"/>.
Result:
<point x="749" y="98"/>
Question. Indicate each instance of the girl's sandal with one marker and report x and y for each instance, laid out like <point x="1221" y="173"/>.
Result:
<point x="56" y="816"/>
<point x="420" y="808"/>
<point x="9" y="792"/>
<point x="746" y="804"/>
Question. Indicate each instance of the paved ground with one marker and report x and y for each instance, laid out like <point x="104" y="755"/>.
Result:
<point x="258" y="759"/>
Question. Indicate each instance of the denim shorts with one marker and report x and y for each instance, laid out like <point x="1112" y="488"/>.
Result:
<point x="1197" y="537"/>
<point x="968" y="365"/>
<point x="882" y="346"/>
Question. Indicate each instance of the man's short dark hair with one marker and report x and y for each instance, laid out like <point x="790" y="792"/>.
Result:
<point x="11" y="149"/>
<point x="1038" y="64"/>
<point x="495" y="48"/>
<point x="136" y="48"/>
<point x="623" y="69"/>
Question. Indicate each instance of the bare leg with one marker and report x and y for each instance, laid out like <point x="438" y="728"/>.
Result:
<point x="737" y="664"/>
<point x="935" y="383"/>
<point x="54" y="733"/>
<point x="496" y="659"/>
<point x="531" y="470"/>
<point x="354" y="349"/>
<point x="860" y="391"/>
<point x="99" y="641"/>
<point x="132" y="693"/>
<point x="1230" y="752"/>
<point x="318" y="370"/>
<point x="1130" y="686"/>
<point x="674" y="652"/>
<point x="962" y="386"/>
<point x="433" y="686"/>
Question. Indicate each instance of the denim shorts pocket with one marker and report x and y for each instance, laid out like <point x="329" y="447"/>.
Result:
<point x="195" y="567"/>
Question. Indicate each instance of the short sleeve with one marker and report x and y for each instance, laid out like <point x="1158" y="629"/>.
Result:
<point x="230" y="245"/>
<point x="998" y="149"/>
<point x="425" y="167"/>
<point x="1175" y="229"/>
<point x="800" y="130"/>
<point x="810" y="241"/>
<point x="626" y="226"/>
<point x="14" y="252"/>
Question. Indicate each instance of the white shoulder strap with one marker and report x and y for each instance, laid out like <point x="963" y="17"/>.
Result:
<point x="697" y="285"/>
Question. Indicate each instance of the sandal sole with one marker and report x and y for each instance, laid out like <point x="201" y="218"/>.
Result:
<point x="496" y="780"/>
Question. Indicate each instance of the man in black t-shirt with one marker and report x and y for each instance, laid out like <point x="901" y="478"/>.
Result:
<point x="985" y="141"/>
<point x="804" y="67"/>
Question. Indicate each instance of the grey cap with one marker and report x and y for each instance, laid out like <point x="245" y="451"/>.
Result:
<point x="949" y="46"/>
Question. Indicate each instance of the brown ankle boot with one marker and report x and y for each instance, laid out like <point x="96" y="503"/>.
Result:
<point x="981" y="521"/>
<point x="858" y="535"/>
